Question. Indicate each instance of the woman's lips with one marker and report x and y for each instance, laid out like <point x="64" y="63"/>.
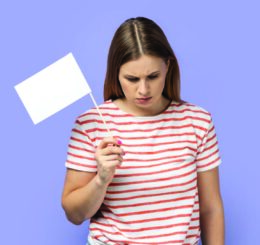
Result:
<point x="144" y="100"/>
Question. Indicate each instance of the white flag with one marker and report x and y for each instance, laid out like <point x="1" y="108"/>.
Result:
<point x="53" y="88"/>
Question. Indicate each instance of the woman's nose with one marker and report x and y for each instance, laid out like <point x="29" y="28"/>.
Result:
<point x="143" y="88"/>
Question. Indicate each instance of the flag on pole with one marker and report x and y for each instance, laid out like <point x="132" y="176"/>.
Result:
<point x="53" y="88"/>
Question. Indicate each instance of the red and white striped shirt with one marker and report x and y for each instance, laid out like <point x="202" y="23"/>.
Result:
<point x="153" y="198"/>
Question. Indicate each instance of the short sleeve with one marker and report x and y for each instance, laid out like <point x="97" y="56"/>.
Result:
<point x="208" y="156"/>
<point x="80" y="155"/>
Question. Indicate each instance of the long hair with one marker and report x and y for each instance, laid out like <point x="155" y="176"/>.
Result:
<point x="136" y="37"/>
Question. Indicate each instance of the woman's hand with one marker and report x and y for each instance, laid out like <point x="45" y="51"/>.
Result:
<point x="108" y="156"/>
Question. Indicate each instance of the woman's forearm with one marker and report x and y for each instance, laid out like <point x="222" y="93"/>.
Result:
<point x="212" y="227"/>
<point x="83" y="203"/>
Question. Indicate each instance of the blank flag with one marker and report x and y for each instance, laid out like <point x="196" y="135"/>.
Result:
<point x="53" y="88"/>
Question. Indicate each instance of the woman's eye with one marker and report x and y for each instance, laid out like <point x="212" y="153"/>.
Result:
<point x="152" y="77"/>
<point x="132" y="79"/>
<point x="136" y="79"/>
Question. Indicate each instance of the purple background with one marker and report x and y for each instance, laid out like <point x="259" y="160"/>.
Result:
<point x="217" y="45"/>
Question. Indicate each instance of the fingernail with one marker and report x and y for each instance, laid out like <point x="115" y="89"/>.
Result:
<point x="119" y="142"/>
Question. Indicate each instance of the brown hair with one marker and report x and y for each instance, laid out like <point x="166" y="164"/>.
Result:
<point x="136" y="37"/>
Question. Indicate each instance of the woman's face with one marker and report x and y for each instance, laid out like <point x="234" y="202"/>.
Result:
<point x="142" y="82"/>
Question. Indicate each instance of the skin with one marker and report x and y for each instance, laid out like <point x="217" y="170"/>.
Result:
<point x="84" y="192"/>
<point x="211" y="208"/>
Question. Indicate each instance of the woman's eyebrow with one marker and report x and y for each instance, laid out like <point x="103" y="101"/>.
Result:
<point x="151" y="74"/>
<point x="154" y="73"/>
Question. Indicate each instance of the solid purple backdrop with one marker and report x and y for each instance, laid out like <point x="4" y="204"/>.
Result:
<point x="217" y="45"/>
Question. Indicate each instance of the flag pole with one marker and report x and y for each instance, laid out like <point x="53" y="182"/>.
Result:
<point x="104" y="121"/>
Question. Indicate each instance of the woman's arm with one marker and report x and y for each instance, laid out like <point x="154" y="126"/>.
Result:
<point x="211" y="208"/>
<point x="82" y="195"/>
<point x="84" y="192"/>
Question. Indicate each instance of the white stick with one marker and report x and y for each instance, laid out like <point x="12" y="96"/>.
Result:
<point x="95" y="103"/>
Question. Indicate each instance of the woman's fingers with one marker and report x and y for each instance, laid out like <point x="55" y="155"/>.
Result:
<point x="109" y="141"/>
<point x="113" y="158"/>
<point x="112" y="150"/>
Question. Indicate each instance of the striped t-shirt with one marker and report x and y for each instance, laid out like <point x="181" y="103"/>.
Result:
<point x="153" y="197"/>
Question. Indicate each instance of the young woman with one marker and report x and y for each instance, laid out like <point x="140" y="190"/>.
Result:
<point x="156" y="180"/>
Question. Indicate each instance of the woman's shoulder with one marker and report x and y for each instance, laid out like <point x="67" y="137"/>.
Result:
<point x="190" y="109"/>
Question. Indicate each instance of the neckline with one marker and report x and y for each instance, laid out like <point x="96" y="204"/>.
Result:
<point x="122" y="112"/>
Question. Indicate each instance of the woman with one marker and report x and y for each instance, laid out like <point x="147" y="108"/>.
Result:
<point x="156" y="180"/>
